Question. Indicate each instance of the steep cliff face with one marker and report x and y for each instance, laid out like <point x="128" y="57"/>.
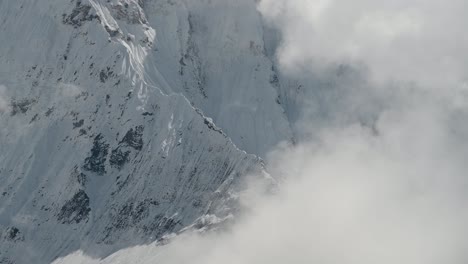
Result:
<point x="213" y="52"/>
<point x="123" y="121"/>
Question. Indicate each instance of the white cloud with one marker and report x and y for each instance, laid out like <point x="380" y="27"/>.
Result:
<point x="406" y="40"/>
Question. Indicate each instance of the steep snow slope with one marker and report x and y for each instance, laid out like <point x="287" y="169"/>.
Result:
<point x="103" y="145"/>
<point x="214" y="53"/>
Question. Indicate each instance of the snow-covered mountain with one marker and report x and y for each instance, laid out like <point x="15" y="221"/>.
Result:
<point x="126" y="120"/>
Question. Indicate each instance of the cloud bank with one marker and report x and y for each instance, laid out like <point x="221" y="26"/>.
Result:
<point x="390" y="191"/>
<point x="405" y="40"/>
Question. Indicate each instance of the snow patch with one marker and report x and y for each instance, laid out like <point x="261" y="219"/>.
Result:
<point x="69" y="90"/>
<point x="4" y="99"/>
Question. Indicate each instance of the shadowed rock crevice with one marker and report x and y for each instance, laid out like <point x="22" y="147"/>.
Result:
<point x="21" y="106"/>
<point x="76" y="209"/>
<point x="134" y="138"/>
<point x="119" y="158"/>
<point x="13" y="234"/>
<point x="79" y="15"/>
<point x="96" y="161"/>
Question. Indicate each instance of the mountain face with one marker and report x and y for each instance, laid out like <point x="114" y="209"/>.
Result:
<point x="126" y="120"/>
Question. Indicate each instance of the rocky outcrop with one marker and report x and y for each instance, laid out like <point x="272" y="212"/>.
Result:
<point x="96" y="162"/>
<point x="75" y="210"/>
<point x="80" y="14"/>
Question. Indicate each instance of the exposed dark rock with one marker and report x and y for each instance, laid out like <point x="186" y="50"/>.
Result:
<point x="80" y="14"/>
<point x="197" y="203"/>
<point x="161" y="225"/>
<point x="13" y="234"/>
<point x="21" y="106"/>
<point x="134" y="138"/>
<point x="34" y="118"/>
<point x="119" y="158"/>
<point x="78" y="124"/>
<point x="132" y="214"/>
<point x="278" y="100"/>
<point x="82" y="132"/>
<point x="96" y="162"/>
<point x="146" y="42"/>
<point x="181" y="61"/>
<point x="112" y="32"/>
<point x="105" y="74"/>
<point x="133" y="15"/>
<point x="212" y="126"/>
<point x="49" y="111"/>
<point x="129" y="215"/>
<point x="140" y="211"/>
<point x="274" y="80"/>
<point x="76" y="209"/>
<point x="79" y="177"/>
<point x="122" y="219"/>
<point x="5" y="260"/>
